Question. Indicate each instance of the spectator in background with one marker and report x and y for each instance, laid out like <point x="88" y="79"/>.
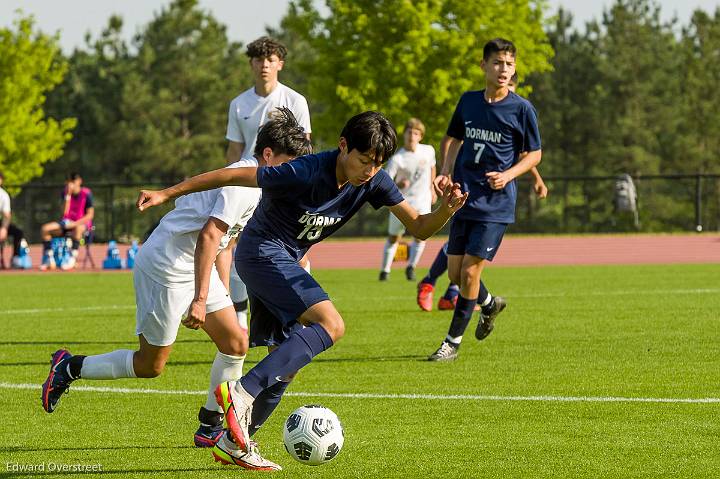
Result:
<point x="78" y="213"/>
<point x="7" y="228"/>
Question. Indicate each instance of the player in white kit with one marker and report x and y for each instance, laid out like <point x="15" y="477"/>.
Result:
<point x="248" y="112"/>
<point x="413" y="170"/>
<point x="175" y="277"/>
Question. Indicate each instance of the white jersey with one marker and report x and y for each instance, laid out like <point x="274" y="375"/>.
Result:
<point x="249" y="111"/>
<point x="168" y="255"/>
<point x="415" y="166"/>
<point x="4" y="202"/>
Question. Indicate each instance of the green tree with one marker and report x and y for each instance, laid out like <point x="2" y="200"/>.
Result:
<point x="30" y="66"/>
<point x="406" y="58"/>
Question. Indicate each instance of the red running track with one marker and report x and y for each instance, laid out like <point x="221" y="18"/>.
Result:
<point x="515" y="251"/>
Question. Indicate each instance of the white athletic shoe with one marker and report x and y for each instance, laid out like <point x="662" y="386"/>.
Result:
<point x="237" y="413"/>
<point x="227" y="452"/>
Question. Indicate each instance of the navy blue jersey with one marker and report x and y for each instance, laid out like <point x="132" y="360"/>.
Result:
<point x="494" y="135"/>
<point x="301" y="204"/>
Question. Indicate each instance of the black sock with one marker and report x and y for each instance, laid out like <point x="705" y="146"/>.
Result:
<point x="461" y="317"/>
<point x="46" y="246"/>
<point x="75" y="365"/>
<point x="210" y="418"/>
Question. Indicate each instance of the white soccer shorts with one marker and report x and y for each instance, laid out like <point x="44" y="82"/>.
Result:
<point x="160" y="308"/>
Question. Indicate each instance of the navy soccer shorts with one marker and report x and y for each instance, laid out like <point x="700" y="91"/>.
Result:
<point x="276" y="281"/>
<point x="476" y="238"/>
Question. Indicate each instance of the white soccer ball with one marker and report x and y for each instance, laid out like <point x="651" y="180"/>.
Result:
<point x="313" y="435"/>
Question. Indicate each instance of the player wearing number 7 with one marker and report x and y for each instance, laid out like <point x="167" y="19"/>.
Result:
<point x="487" y="133"/>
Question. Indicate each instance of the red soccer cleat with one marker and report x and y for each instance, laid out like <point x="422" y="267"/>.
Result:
<point x="425" y="296"/>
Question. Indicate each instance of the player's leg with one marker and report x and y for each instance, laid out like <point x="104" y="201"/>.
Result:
<point x="395" y="232"/>
<point x="293" y="296"/>
<point x="239" y="296"/>
<point x="47" y="232"/>
<point x="491" y="306"/>
<point x="416" y="250"/>
<point x="76" y="235"/>
<point x="231" y="341"/>
<point x="147" y="362"/>
<point x="427" y="285"/>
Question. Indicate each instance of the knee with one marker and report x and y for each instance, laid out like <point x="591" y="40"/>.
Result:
<point x="335" y="327"/>
<point x="237" y="345"/>
<point x="148" y="368"/>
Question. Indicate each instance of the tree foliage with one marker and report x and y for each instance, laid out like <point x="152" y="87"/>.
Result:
<point x="30" y="66"/>
<point x="405" y="58"/>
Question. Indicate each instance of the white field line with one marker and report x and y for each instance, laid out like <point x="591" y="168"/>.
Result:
<point x="4" y="385"/>
<point x="538" y="295"/>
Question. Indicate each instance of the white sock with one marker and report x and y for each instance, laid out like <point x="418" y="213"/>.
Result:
<point x="487" y="300"/>
<point x="224" y="368"/>
<point x="307" y="265"/>
<point x="242" y="319"/>
<point x="416" y="251"/>
<point x="246" y="396"/>
<point x="388" y="255"/>
<point x="115" y="365"/>
<point x="456" y="340"/>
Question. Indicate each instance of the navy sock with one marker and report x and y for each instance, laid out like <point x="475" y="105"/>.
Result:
<point x="294" y="353"/>
<point x="46" y="246"/>
<point x="463" y="312"/>
<point x="452" y="291"/>
<point x="484" y="293"/>
<point x="438" y="267"/>
<point x="265" y="404"/>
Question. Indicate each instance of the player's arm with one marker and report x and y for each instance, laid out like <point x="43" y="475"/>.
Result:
<point x="498" y="179"/>
<point x="244" y="176"/>
<point x="433" y="194"/>
<point x="234" y="152"/>
<point x="449" y="149"/>
<point x="424" y="226"/>
<point x="541" y="190"/>
<point x="223" y="263"/>
<point x="205" y="251"/>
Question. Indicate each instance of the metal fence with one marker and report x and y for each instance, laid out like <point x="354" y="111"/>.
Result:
<point x="578" y="204"/>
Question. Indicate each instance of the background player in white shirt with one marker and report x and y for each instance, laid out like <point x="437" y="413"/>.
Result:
<point x="248" y="112"/>
<point x="413" y="170"/>
<point x="174" y="276"/>
<point x="7" y="228"/>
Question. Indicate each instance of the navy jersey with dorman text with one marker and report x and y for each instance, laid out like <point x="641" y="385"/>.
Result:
<point x="301" y="203"/>
<point x="494" y="135"/>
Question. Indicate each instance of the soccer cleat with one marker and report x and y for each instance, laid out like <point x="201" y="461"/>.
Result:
<point x="486" y="323"/>
<point x="446" y="352"/>
<point x="445" y="304"/>
<point x="48" y="262"/>
<point x="226" y="452"/>
<point x="425" y="296"/>
<point x="237" y="413"/>
<point x="57" y="381"/>
<point x="410" y="273"/>
<point x="383" y="276"/>
<point x="207" y="436"/>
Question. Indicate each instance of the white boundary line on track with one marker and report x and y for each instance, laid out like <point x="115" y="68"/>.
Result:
<point x="539" y="295"/>
<point x="26" y="386"/>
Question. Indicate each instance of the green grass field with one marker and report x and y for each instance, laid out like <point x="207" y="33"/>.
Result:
<point x="540" y="398"/>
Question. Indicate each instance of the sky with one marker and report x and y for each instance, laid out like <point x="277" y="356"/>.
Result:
<point x="245" y="19"/>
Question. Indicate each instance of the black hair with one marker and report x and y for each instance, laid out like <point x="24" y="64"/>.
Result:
<point x="283" y="135"/>
<point x="72" y="176"/>
<point x="370" y="132"/>
<point x="265" y="47"/>
<point x="497" y="45"/>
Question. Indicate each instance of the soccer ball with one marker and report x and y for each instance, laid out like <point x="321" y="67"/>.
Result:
<point x="313" y="435"/>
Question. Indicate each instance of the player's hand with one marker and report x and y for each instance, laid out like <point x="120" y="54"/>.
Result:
<point x="149" y="198"/>
<point x="498" y="179"/>
<point x="453" y="198"/>
<point x="540" y="189"/>
<point x="196" y="315"/>
<point x="440" y="183"/>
